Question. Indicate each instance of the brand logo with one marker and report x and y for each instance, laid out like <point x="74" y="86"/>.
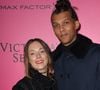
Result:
<point x="15" y="50"/>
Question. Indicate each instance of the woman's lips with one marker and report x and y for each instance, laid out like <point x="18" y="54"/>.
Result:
<point x="39" y="61"/>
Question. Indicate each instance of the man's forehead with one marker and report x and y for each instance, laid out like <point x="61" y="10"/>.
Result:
<point x="60" y="20"/>
<point x="61" y="17"/>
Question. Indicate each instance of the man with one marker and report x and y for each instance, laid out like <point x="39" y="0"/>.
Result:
<point x="77" y="58"/>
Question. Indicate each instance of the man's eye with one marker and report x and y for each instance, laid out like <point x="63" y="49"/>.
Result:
<point x="55" y="25"/>
<point x="65" y="23"/>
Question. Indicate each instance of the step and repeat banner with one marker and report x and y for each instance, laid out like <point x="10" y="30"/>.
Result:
<point x="21" y="20"/>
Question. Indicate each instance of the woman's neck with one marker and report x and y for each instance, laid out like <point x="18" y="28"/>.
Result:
<point x="43" y="72"/>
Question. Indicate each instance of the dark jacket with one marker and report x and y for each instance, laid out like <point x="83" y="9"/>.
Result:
<point x="77" y="67"/>
<point x="37" y="82"/>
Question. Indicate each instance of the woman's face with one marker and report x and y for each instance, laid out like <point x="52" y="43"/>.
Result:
<point x="38" y="57"/>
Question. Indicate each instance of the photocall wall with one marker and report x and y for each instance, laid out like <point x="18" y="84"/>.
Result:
<point x="21" y="20"/>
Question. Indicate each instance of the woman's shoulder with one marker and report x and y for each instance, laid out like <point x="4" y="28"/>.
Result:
<point x="23" y="84"/>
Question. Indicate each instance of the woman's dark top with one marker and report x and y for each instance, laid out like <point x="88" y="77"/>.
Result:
<point x="37" y="82"/>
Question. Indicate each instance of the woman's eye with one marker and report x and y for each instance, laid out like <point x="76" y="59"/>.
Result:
<point x="32" y="53"/>
<point x="42" y="51"/>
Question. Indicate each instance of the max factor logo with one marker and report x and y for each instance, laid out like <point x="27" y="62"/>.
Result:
<point x="26" y="7"/>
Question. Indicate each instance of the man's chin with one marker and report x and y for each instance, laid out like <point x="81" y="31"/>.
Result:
<point x="64" y="42"/>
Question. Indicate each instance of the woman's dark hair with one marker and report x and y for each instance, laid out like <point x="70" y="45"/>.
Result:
<point x="64" y="5"/>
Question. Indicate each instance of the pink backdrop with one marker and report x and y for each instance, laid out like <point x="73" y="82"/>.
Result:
<point x="21" y="20"/>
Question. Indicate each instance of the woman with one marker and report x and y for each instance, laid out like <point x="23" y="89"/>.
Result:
<point x="38" y="65"/>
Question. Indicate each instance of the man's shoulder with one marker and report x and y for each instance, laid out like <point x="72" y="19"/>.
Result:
<point x="95" y="46"/>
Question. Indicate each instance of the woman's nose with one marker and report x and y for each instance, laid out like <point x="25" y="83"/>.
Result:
<point x="38" y="55"/>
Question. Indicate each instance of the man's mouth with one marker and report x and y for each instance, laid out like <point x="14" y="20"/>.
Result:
<point x="63" y="35"/>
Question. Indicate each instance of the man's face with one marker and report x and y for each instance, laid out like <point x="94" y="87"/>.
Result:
<point x="65" y="28"/>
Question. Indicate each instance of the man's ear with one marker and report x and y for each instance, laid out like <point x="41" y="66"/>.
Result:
<point x="77" y="25"/>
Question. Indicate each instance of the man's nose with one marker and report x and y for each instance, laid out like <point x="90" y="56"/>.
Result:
<point x="61" y="28"/>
